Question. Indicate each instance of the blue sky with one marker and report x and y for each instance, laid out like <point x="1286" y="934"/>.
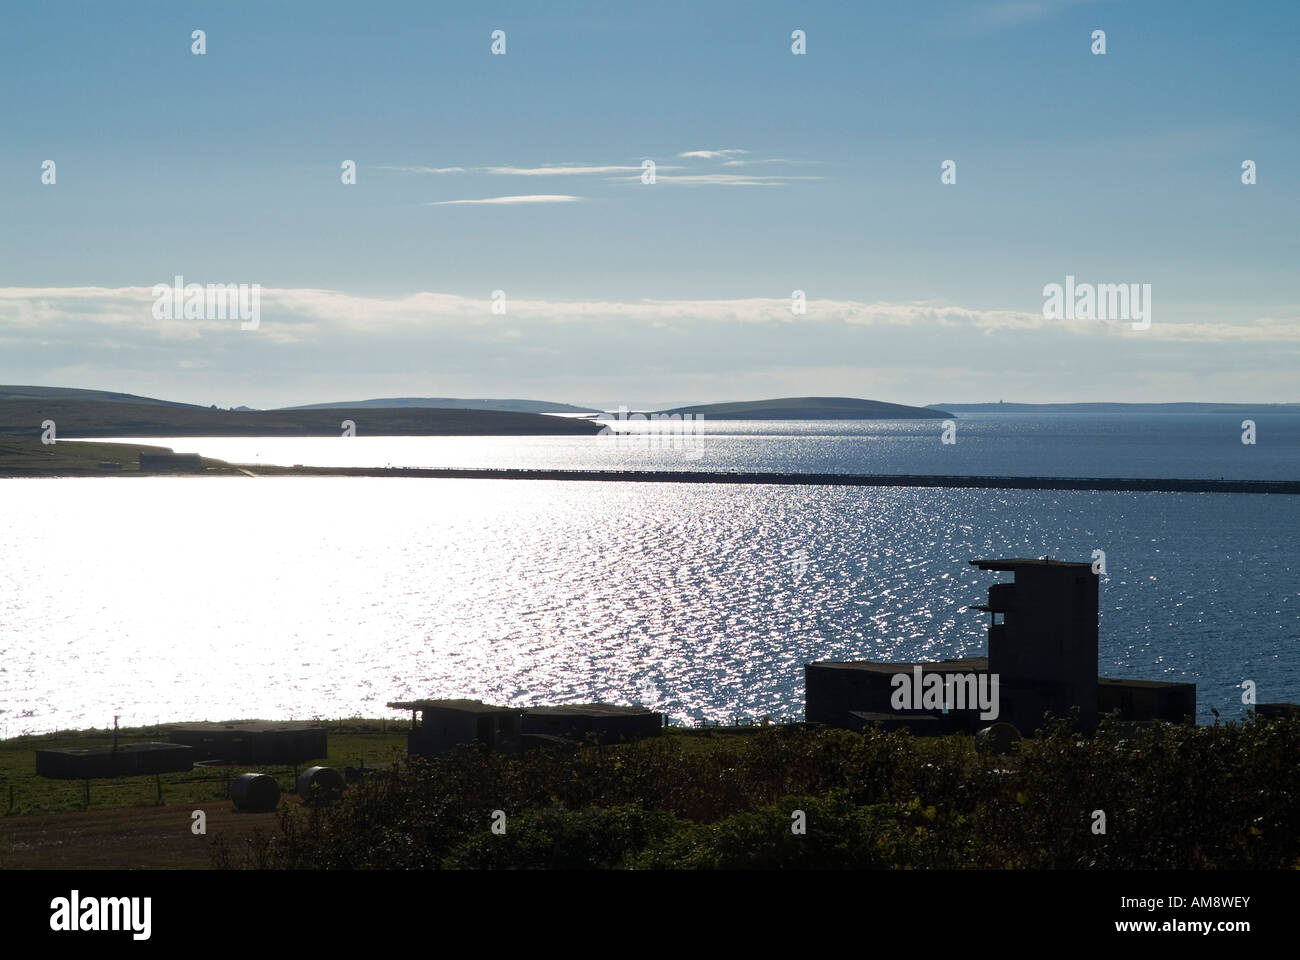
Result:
<point x="824" y="177"/>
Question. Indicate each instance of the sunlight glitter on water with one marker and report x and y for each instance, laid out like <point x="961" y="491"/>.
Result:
<point x="214" y="598"/>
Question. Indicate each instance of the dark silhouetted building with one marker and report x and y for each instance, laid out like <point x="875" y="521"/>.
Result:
<point x="1042" y="653"/>
<point x="443" y="724"/>
<point x="607" y="722"/>
<point x="252" y="741"/>
<point x="1043" y="640"/>
<point x="128" y="760"/>
<point x="168" y="462"/>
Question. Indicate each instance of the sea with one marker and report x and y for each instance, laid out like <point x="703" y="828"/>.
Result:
<point x="160" y="599"/>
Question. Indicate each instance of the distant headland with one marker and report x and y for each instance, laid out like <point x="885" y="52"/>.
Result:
<point x="809" y="408"/>
<point x="89" y="414"/>
<point x="1001" y="407"/>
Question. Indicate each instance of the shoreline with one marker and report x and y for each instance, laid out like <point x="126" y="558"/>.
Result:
<point x="1119" y="484"/>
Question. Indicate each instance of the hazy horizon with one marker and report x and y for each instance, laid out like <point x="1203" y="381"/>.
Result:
<point x="514" y="180"/>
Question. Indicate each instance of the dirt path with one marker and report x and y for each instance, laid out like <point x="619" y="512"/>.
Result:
<point x="123" y="839"/>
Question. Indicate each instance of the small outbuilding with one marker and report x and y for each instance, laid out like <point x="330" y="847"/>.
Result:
<point x="607" y="722"/>
<point x="169" y="462"/>
<point x="444" y="724"/>
<point x="128" y="760"/>
<point x="253" y="741"/>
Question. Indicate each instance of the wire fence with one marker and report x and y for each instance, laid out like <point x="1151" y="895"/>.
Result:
<point x="147" y="790"/>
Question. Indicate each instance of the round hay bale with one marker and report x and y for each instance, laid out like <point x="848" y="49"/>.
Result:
<point x="320" y="786"/>
<point x="255" y="793"/>
<point x="1000" y="738"/>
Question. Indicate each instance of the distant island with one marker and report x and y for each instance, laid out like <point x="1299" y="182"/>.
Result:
<point x="810" y="408"/>
<point x="81" y="414"/>
<point x="1120" y="407"/>
<point x="451" y="403"/>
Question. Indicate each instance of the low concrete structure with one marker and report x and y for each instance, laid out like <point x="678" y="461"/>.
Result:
<point x="170" y="462"/>
<point x="128" y="760"/>
<point x="1269" y="711"/>
<point x="854" y="694"/>
<point x="607" y="722"/>
<point x="1138" y="700"/>
<point x="1042" y="654"/>
<point x="252" y="741"/>
<point x="444" y="724"/>
<point x="1043" y="639"/>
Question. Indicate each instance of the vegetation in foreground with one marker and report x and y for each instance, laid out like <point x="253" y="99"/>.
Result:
<point x="1173" y="797"/>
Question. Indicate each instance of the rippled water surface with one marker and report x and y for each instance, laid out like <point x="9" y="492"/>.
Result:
<point x="192" y="598"/>
<point x="1053" y="445"/>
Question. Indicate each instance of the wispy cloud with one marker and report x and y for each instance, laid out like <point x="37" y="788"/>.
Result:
<point x="756" y="161"/>
<point x="559" y="170"/>
<point x="720" y="179"/>
<point x="425" y="169"/>
<point x="711" y="154"/>
<point x="72" y="314"/>
<point x="505" y="201"/>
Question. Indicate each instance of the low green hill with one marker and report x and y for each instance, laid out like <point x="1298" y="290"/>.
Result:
<point x="89" y="418"/>
<point x="810" y="408"/>
<point x="451" y="403"/>
<point x="13" y="392"/>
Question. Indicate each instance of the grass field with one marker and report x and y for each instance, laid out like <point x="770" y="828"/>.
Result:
<point x="351" y="742"/>
<point x="29" y="454"/>
<point x="48" y="825"/>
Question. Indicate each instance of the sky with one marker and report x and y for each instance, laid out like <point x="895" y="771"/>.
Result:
<point x="774" y="172"/>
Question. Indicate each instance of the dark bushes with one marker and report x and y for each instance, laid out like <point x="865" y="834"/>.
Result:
<point x="1169" y="797"/>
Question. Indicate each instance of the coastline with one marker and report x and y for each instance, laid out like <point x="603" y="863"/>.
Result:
<point x="1123" y="484"/>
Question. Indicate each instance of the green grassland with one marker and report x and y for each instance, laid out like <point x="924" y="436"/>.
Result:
<point x="26" y="455"/>
<point x="1171" y="797"/>
<point x="350" y="743"/>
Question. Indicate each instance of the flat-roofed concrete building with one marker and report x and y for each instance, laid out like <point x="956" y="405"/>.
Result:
<point x="1042" y="652"/>
<point x="444" y="724"/>
<point x="169" y="462"/>
<point x="857" y="693"/>
<point x="1043" y="640"/>
<point x="607" y="722"/>
<point x="1268" y="711"/>
<point x="252" y="741"/>
<point x="128" y="760"/>
<point x="1138" y="700"/>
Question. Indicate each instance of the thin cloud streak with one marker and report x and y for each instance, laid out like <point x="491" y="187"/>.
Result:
<point x="720" y="179"/>
<point x="561" y="170"/>
<point x="38" y="314"/>
<point x="710" y="154"/>
<point x="506" y="201"/>
<point x="425" y="169"/>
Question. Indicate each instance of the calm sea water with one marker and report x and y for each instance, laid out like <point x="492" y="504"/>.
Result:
<point x="1061" y="445"/>
<point x="206" y="598"/>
